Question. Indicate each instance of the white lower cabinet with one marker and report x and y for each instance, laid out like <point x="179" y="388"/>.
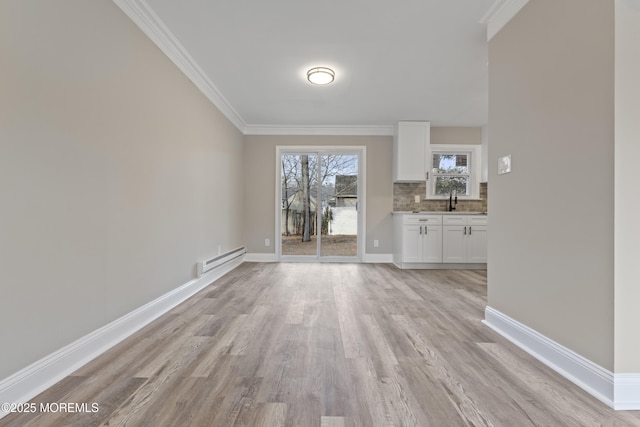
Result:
<point x="424" y="241"/>
<point x="454" y="244"/>
<point x="418" y="239"/>
<point x="464" y="239"/>
<point x="477" y="244"/>
<point x="432" y="243"/>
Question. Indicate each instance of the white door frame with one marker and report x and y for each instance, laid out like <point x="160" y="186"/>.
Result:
<point x="361" y="152"/>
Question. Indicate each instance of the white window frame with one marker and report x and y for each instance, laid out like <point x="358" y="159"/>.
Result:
<point x="475" y="169"/>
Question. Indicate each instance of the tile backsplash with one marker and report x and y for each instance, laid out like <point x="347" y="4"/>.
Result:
<point x="403" y="199"/>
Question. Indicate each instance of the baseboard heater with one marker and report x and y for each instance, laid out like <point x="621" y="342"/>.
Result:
<point x="215" y="262"/>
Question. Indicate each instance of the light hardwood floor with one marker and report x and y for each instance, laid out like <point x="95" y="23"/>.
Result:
<point x="324" y="345"/>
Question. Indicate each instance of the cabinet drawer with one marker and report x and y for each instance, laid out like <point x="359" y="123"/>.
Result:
<point x="465" y="220"/>
<point x="478" y="220"/>
<point x="423" y="220"/>
<point x="454" y="219"/>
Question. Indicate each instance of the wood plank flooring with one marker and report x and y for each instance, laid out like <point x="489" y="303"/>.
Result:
<point x="324" y="345"/>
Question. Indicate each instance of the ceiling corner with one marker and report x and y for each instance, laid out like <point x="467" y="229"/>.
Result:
<point x="499" y="15"/>
<point x="153" y="27"/>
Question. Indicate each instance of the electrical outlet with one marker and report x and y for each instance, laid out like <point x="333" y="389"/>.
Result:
<point x="416" y="198"/>
<point x="267" y="242"/>
<point x="376" y="243"/>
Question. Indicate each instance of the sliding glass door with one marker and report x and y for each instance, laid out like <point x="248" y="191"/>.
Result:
<point x="319" y="214"/>
<point x="299" y="204"/>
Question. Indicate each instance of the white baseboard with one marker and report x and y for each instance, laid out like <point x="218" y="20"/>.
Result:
<point x="627" y="392"/>
<point x="440" y="266"/>
<point x="256" y="257"/>
<point x="587" y="375"/>
<point x="368" y="258"/>
<point x="619" y="391"/>
<point x="378" y="258"/>
<point x="37" y="377"/>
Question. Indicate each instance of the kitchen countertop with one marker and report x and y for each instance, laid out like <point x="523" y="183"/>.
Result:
<point x="437" y="213"/>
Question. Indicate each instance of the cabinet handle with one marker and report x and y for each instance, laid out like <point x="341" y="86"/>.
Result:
<point x="426" y="230"/>
<point x="421" y="230"/>
<point x="469" y="230"/>
<point x="465" y="230"/>
<point x="426" y="176"/>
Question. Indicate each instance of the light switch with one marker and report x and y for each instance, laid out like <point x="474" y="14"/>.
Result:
<point x="504" y="164"/>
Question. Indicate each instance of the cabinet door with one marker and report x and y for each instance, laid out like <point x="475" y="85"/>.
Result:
<point x="432" y="243"/>
<point x="412" y="243"/>
<point x="410" y="148"/>
<point x="454" y="243"/>
<point x="477" y="244"/>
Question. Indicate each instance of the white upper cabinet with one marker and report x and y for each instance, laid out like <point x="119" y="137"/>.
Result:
<point x="410" y="151"/>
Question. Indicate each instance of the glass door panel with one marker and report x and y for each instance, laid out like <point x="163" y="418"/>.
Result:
<point x="299" y="204"/>
<point x="339" y="205"/>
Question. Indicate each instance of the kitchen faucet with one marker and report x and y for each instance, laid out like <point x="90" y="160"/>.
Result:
<point x="453" y="200"/>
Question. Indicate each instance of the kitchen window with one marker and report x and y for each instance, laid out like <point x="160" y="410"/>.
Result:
<point x="454" y="171"/>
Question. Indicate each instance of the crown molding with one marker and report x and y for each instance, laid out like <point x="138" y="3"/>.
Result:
<point x="153" y="27"/>
<point x="146" y="19"/>
<point x="499" y="15"/>
<point x="342" y="130"/>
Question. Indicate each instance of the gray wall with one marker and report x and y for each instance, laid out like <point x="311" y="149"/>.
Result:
<point x="456" y="135"/>
<point x="627" y="204"/>
<point x="116" y="174"/>
<point x="260" y="167"/>
<point x="551" y="107"/>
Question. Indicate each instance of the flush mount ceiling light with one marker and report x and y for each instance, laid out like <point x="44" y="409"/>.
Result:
<point x="320" y="75"/>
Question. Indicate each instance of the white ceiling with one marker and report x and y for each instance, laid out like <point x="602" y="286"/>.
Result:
<point x="394" y="60"/>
